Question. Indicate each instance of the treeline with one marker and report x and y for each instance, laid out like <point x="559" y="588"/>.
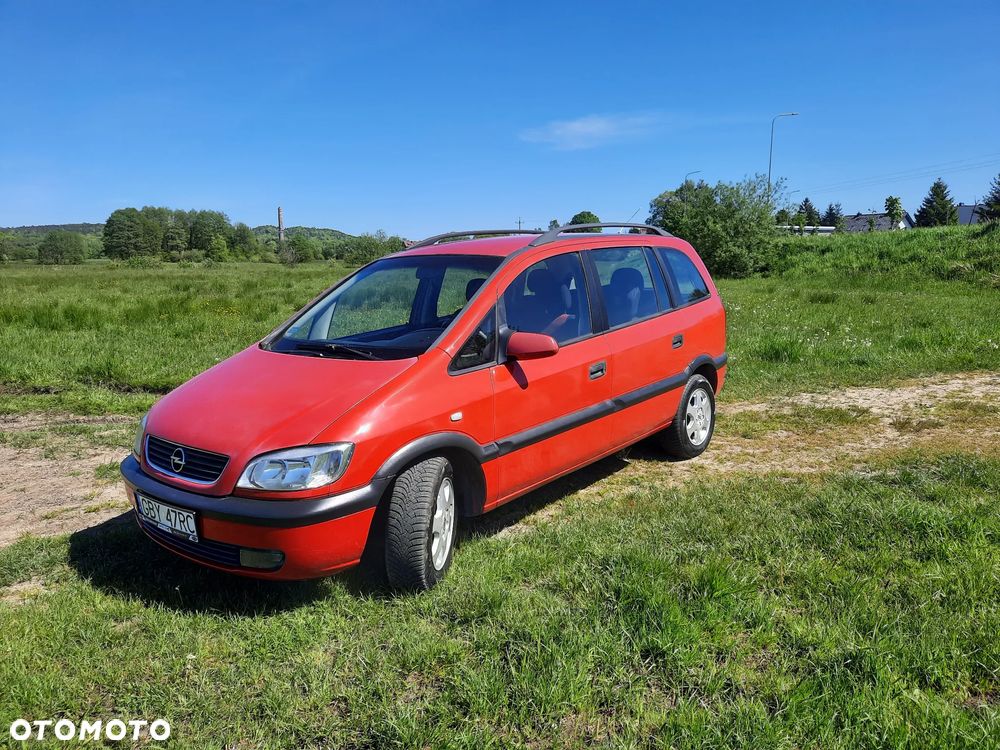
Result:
<point x="938" y="209"/>
<point x="734" y="226"/>
<point x="154" y="234"/>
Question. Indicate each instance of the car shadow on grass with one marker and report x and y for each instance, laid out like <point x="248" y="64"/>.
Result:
<point x="117" y="558"/>
<point x="535" y="501"/>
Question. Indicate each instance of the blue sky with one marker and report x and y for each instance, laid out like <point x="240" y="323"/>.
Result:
<point x="419" y="117"/>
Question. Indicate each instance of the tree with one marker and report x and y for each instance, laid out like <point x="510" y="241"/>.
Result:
<point x="833" y="216"/>
<point x="244" y="241"/>
<point x="218" y="249"/>
<point x="206" y="226"/>
<point x="303" y="248"/>
<point x="175" y="240"/>
<point x="938" y="209"/>
<point x="554" y="224"/>
<point x="61" y="247"/>
<point x="783" y="217"/>
<point x="731" y="224"/>
<point x="368" y="247"/>
<point x="894" y="208"/>
<point x="122" y="232"/>
<point x="810" y="212"/>
<point x="6" y="247"/>
<point x="990" y="209"/>
<point x="586" y="217"/>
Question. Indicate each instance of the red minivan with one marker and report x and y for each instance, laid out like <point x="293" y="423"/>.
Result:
<point x="427" y="387"/>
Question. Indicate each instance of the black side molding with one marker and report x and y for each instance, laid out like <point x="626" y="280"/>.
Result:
<point x="602" y="409"/>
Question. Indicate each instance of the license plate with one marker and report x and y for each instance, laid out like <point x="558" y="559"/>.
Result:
<point x="167" y="517"/>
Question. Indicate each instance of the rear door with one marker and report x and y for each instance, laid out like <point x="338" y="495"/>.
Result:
<point x="648" y="356"/>
<point x="552" y="414"/>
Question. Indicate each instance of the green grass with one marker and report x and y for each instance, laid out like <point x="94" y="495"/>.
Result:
<point x="965" y="253"/>
<point x="795" y="333"/>
<point x="97" y="339"/>
<point x="843" y="611"/>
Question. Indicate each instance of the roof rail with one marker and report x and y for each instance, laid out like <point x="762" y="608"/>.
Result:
<point x="437" y="238"/>
<point x="553" y="234"/>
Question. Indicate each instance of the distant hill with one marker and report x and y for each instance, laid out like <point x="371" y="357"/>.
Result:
<point x="270" y="232"/>
<point x="41" y="230"/>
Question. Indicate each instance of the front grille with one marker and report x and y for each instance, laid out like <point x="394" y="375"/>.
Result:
<point x="196" y="465"/>
<point x="219" y="553"/>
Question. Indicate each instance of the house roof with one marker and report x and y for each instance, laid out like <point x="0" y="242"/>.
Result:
<point x="968" y="214"/>
<point x="859" y="222"/>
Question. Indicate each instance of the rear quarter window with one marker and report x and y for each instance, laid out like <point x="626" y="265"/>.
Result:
<point x="687" y="280"/>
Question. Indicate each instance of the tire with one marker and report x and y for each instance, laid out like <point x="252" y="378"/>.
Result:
<point x="421" y="525"/>
<point x="694" y="423"/>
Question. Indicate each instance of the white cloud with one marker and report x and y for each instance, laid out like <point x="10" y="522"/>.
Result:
<point x="590" y="131"/>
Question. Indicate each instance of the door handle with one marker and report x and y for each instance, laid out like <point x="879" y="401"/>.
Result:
<point x="598" y="370"/>
<point x="678" y="341"/>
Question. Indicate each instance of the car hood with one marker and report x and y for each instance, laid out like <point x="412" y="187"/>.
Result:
<point x="259" y="401"/>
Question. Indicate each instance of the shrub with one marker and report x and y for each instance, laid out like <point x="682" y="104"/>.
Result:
<point x="730" y="224"/>
<point x="143" y="261"/>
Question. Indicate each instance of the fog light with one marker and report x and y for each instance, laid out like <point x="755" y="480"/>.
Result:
<point x="265" y="559"/>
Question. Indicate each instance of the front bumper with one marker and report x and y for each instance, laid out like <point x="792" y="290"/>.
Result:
<point x="317" y="537"/>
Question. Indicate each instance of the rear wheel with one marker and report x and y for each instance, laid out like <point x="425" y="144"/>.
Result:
<point x="691" y="431"/>
<point x="421" y="525"/>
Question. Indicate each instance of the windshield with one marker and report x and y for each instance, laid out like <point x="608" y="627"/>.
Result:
<point x="392" y="309"/>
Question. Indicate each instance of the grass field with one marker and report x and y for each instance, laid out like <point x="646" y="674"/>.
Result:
<point x="786" y="590"/>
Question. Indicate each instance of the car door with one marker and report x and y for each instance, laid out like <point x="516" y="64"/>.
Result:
<point x="552" y="414"/>
<point x="647" y="352"/>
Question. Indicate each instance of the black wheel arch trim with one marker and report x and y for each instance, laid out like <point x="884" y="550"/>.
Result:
<point x="429" y="444"/>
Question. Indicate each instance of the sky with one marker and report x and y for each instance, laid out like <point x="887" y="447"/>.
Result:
<point x="422" y="117"/>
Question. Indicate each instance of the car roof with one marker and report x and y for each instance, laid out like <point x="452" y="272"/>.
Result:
<point x="497" y="246"/>
<point x="506" y="245"/>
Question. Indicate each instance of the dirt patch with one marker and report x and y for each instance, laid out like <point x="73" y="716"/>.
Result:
<point x="48" y="473"/>
<point x="19" y="593"/>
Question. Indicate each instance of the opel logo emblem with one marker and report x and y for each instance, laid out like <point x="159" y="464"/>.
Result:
<point x="177" y="459"/>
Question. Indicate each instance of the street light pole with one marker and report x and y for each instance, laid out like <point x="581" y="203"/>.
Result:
<point x="697" y="171"/>
<point x="770" y="153"/>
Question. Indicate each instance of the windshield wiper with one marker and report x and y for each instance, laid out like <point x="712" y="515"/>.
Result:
<point x="334" y="349"/>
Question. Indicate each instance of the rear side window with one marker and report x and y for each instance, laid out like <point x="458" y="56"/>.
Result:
<point x="626" y="284"/>
<point x="550" y="298"/>
<point x="690" y="286"/>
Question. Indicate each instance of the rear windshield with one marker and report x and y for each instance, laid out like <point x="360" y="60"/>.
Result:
<point x="392" y="309"/>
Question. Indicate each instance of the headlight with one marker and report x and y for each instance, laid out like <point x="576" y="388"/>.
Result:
<point x="297" y="469"/>
<point x="137" y="443"/>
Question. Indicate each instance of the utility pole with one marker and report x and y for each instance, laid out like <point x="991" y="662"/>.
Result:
<point x="518" y="222"/>
<point x="281" y="225"/>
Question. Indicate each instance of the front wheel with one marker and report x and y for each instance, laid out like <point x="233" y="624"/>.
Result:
<point x="421" y="525"/>
<point x="691" y="431"/>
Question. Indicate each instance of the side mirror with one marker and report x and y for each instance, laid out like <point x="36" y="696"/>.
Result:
<point x="523" y="345"/>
